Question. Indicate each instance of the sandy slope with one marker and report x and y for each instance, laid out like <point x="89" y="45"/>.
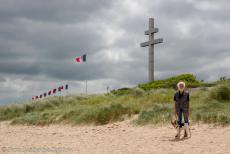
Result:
<point x="116" y="138"/>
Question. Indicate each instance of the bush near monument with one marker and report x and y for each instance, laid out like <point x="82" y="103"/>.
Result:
<point x="189" y="79"/>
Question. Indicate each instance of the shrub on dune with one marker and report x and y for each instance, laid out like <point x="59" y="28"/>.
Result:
<point x="220" y="93"/>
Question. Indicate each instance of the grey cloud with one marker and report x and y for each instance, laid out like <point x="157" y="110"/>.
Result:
<point x="53" y="10"/>
<point x="2" y="79"/>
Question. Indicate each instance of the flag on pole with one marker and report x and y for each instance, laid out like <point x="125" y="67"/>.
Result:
<point x="49" y="93"/>
<point x="59" y="89"/>
<point x="81" y="59"/>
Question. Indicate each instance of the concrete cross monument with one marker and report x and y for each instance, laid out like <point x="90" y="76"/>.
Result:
<point x="151" y="44"/>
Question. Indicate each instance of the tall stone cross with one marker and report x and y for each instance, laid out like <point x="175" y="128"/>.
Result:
<point x="151" y="44"/>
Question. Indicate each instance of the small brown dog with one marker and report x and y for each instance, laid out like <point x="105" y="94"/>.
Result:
<point x="187" y="134"/>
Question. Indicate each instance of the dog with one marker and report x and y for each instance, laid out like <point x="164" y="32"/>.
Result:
<point x="181" y="127"/>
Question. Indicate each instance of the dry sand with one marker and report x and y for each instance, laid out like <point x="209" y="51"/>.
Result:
<point x="117" y="138"/>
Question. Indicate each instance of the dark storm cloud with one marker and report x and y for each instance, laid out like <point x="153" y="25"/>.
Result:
<point x="19" y="67"/>
<point x="51" y="11"/>
<point x="2" y="79"/>
<point x="55" y="69"/>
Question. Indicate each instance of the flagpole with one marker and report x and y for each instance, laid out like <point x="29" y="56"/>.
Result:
<point x="83" y="59"/>
<point x="67" y="92"/>
<point x="86" y="86"/>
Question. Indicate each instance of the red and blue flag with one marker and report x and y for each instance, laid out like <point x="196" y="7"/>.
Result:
<point x="81" y="59"/>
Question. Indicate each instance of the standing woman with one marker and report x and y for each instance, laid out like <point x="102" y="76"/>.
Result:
<point x="181" y="99"/>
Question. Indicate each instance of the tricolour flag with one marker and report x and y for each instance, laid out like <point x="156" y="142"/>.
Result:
<point x="81" y="59"/>
<point x="59" y="89"/>
<point x="50" y="92"/>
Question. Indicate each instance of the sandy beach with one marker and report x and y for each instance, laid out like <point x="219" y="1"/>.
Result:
<point x="116" y="138"/>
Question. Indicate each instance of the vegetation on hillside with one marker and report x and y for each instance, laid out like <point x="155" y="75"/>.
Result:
<point x="189" y="79"/>
<point x="152" y="102"/>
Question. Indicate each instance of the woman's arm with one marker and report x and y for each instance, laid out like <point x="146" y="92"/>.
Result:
<point x="174" y="99"/>
<point x="188" y="109"/>
<point x="188" y="99"/>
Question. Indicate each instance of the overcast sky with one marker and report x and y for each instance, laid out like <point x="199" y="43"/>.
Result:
<point x="39" y="40"/>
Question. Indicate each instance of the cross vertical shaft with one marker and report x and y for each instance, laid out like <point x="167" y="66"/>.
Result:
<point x="151" y="50"/>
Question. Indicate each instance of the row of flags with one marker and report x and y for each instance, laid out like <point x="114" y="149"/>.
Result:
<point x="54" y="91"/>
<point x="79" y="59"/>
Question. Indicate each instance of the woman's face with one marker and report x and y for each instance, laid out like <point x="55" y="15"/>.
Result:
<point x="181" y="87"/>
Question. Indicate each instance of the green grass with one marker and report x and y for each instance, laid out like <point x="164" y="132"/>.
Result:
<point x="158" y="113"/>
<point x="221" y="93"/>
<point x="153" y="106"/>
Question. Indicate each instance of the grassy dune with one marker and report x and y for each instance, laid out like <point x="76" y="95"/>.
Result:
<point x="153" y="105"/>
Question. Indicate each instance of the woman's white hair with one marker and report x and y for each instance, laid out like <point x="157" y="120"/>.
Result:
<point x="179" y="83"/>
